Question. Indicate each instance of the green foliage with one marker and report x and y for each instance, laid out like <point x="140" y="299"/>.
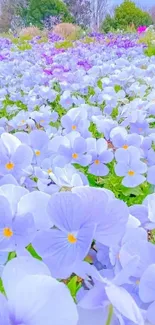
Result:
<point x="32" y="251"/>
<point x="37" y="11"/>
<point x="147" y="38"/>
<point x="25" y="38"/>
<point x="2" y="287"/>
<point x="108" y="24"/>
<point x="113" y="183"/>
<point x="11" y="255"/>
<point x="150" y="51"/>
<point x="99" y="84"/>
<point x="63" y="45"/>
<point x="93" y="130"/>
<point x="117" y="88"/>
<point x="43" y="39"/>
<point x="88" y="40"/>
<point x="24" y="47"/>
<point x="126" y="15"/>
<point x="73" y="286"/>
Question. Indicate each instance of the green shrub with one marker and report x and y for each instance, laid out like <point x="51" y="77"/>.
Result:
<point x="125" y="15"/>
<point x="108" y="24"/>
<point x="88" y="40"/>
<point x="24" y="47"/>
<point x="147" y="38"/>
<point x="64" y="45"/>
<point x="150" y="51"/>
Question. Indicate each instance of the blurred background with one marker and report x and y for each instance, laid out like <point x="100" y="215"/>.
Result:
<point x="18" y="14"/>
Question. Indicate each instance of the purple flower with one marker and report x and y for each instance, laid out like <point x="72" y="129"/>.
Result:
<point x="39" y="142"/>
<point x="44" y="298"/>
<point x="130" y="167"/>
<point x="70" y="242"/>
<point x="140" y="127"/>
<point x="75" y="152"/>
<point x="147" y="292"/>
<point x="76" y="123"/>
<point x="17" y="229"/>
<point x="15" y="156"/>
<point x="121" y="139"/>
<point x="66" y="100"/>
<point x="145" y="251"/>
<point x="100" y="156"/>
<point x="151" y="175"/>
<point x="109" y="214"/>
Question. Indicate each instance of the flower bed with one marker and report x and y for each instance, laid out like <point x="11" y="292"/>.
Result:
<point x="77" y="177"/>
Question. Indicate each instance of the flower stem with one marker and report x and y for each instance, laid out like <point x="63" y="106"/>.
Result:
<point x="110" y="313"/>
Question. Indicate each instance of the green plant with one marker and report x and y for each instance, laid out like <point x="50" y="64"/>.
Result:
<point x="128" y="13"/>
<point x="37" y="11"/>
<point x="147" y="38"/>
<point x="127" y="17"/>
<point x="88" y="40"/>
<point x="24" y="47"/>
<point x="63" y="45"/>
<point x="150" y="51"/>
<point x="108" y="24"/>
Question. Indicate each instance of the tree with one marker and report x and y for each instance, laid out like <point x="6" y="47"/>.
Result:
<point x="128" y="13"/>
<point x="99" y="10"/>
<point x="125" y="15"/>
<point x="108" y="24"/>
<point x="39" y="10"/>
<point x="80" y="10"/>
<point x="9" y="10"/>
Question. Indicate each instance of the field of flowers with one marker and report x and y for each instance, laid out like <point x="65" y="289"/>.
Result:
<point x="77" y="181"/>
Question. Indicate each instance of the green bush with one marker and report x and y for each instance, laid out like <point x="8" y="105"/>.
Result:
<point x="63" y="45"/>
<point x="125" y="15"/>
<point x="108" y="24"/>
<point x="147" y="38"/>
<point x="38" y="10"/>
<point x="150" y="51"/>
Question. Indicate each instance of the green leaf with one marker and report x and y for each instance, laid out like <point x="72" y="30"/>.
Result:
<point x="92" y="180"/>
<point x="32" y="251"/>
<point x="11" y="255"/>
<point x="99" y="84"/>
<point x="2" y="290"/>
<point x="131" y="191"/>
<point x="73" y="285"/>
<point x="117" y="88"/>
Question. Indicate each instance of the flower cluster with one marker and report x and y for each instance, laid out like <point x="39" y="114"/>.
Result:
<point x="77" y="177"/>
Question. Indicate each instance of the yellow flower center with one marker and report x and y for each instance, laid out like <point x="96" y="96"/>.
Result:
<point x="7" y="232"/>
<point x="74" y="155"/>
<point x="125" y="146"/>
<point x="97" y="162"/>
<point x="37" y="152"/>
<point x="71" y="238"/>
<point x="49" y="171"/>
<point x="131" y="173"/>
<point x="137" y="282"/>
<point x="118" y="256"/>
<point x="10" y="165"/>
<point x="23" y="121"/>
<point x="73" y="127"/>
<point x="42" y="121"/>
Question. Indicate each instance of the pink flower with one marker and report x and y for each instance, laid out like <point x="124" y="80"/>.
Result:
<point x="141" y="29"/>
